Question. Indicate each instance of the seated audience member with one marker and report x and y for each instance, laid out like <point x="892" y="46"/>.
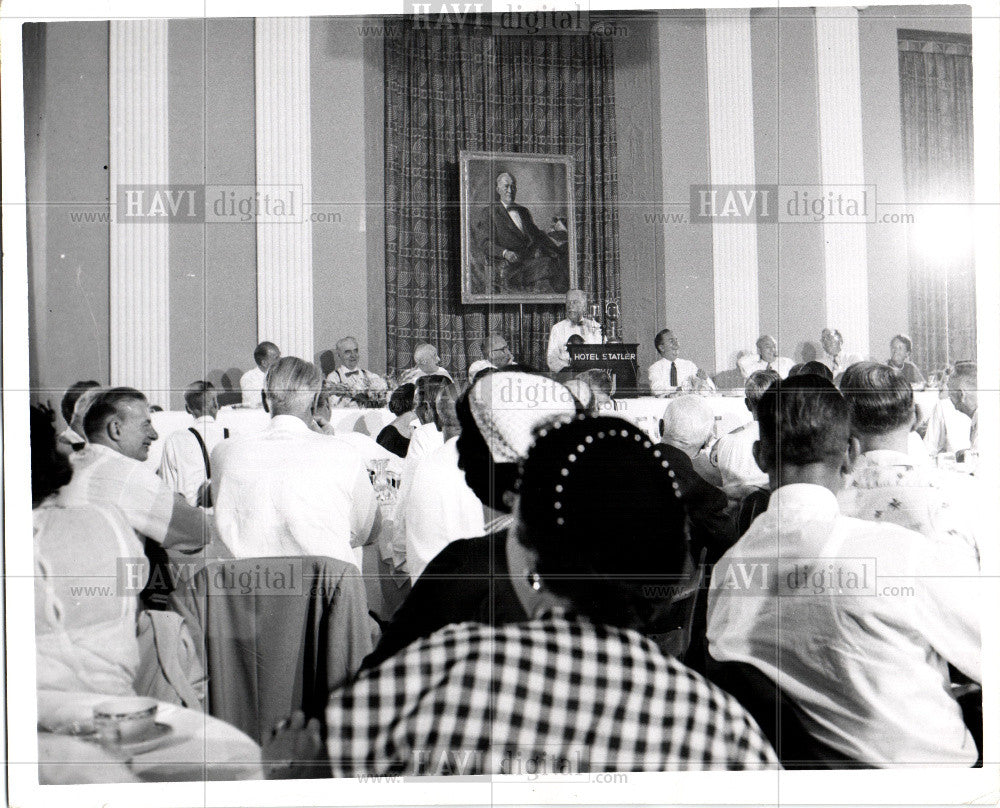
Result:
<point x="438" y="506"/>
<point x="834" y="356"/>
<point x="479" y="367"/>
<point x="252" y="382"/>
<point x="288" y="490"/>
<point x="69" y="440"/>
<point x="80" y="410"/>
<point x="953" y="424"/>
<point x="814" y="368"/>
<point x="689" y="428"/>
<point x="427" y="436"/>
<point x="576" y="682"/>
<point x="427" y="362"/>
<point x="685" y="429"/>
<point x="496" y="351"/>
<point x="350" y="379"/>
<point x="185" y="464"/>
<point x="766" y="359"/>
<point x="795" y="369"/>
<point x="901" y="348"/>
<point x="396" y="436"/>
<point x="868" y="671"/>
<point x="574" y="325"/>
<point x="83" y="644"/>
<point x="583" y="396"/>
<point x="109" y="471"/>
<point x="366" y="446"/>
<point x="468" y="579"/>
<point x="733" y="453"/>
<point x="891" y="485"/>
<point x="671" y="373"/>
<point x="599" y="382"/>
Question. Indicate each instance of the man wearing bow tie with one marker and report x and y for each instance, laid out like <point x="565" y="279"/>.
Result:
<point x="349" y="378"/>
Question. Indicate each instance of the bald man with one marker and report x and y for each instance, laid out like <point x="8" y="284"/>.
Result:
<point x="350" y="378"/>
<point x="427" y="362"/>
<point x="574" y="324"/>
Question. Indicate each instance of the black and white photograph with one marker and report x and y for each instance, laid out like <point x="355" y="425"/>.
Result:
<point x="501" y="404"/>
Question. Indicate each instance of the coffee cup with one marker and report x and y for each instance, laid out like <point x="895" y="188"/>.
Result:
<point x="126" y="718"/>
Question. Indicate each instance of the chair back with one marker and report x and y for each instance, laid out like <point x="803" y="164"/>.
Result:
<point x="278" y="634"/>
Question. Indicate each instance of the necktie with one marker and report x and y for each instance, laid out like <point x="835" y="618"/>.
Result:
<point x="353" y="373"/>
<point x="673" y="374"/>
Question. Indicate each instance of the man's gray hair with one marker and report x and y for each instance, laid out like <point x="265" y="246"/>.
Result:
<point x="291" y="384"/>
<point x="576" y="293"/>
<point x="344" y="340"/>
<point x="687" y="422"/>
<point x="423" y="350"/>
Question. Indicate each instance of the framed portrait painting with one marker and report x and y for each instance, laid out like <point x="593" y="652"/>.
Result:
<point x="518" y="228"/>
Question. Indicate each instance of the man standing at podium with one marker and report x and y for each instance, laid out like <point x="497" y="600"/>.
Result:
<point x="575" y="323"/>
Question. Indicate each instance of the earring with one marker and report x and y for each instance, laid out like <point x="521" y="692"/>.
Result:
<point x="534" y="581"/>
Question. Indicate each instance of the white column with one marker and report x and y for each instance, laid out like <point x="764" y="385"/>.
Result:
<point x="140" y="256"/>
<point x="731" y="162"/>
<point x="838" y="71"/>
<point x="284" y="167"/>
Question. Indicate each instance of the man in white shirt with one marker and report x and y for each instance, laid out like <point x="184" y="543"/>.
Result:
<point x="350" y="378"/>
<point x="427" y="362"/>
<point x="185" y="465"/>
<point x="890" y="484"/>
<point x="110" y="471"/>
<point x="671" y="373"/>
<point x="496" y="351"/>
<point x="766" y="359"/>
<point x="814" y="599"/>
<point x="588" y="330"/>
<point x="949" y="428"/>
<point x="733" y="453"/>
<point x="289" y="490"/>
<point x="252" y="382"/>
<point x="834" y="356"/>
<point x="437" y="507"/>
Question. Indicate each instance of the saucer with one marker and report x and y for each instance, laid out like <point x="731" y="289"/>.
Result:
<point x="146" y="742"/>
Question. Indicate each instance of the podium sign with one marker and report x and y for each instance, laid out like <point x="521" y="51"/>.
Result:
<point x="621" y="360"/>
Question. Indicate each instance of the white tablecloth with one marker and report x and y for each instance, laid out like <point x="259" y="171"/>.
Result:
<point x="646" y="412"/>
<point x="200" y="747"/>
<point x="241" y="420"/>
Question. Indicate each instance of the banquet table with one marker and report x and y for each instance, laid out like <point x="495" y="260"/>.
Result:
<point x="198" y="748"/>
<point x="645" y="412"/>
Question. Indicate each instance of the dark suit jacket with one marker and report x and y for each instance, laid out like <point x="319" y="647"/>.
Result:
<point x="467" y="581"/>
<point x="498" y="233"/>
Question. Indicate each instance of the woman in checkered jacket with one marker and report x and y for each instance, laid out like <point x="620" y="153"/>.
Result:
<point x="576" y="688"/>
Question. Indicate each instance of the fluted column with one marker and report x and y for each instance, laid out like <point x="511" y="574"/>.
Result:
<point x="140" y="250"/>
<point x="284" y="170"/>
<point x="731" y="162"/>
<point x="838" y="71"/>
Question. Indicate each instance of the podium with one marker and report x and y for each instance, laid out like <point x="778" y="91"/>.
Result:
<point x="620" y="360"/>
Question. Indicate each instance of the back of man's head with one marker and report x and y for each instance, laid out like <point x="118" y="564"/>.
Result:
<point x="105" y="406"/>
<point x="597" y="380"/>
<point x="266" y="354"/>
<point x="757" y="383"/>
<point x="687" y="424"/>
<point x="880" y="399"/>
<point x="291" y="386"/>
<point x="803" y="420"/>
<point x="816" y="368"/>
<point x="426" y="396"/>
<point x="200" y="399"/>
<point x="963" y="386"/>
<point x="424" y="354"/>
<point x="72" y="395"/>
<point x="445" y="414"/>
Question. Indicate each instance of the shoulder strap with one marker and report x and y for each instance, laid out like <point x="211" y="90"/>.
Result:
<point x="204" y="451"/>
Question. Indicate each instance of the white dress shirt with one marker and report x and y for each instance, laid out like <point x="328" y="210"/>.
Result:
<point x="252" y="383"/>
<point x="102" y="476"/>
<point x="948" y="430"/>
<point x="751" y="363"/>
<point x="945" y="506"/>
<point x="358" y="380"/>
<point x="841" y="362"/>
<point x="733" y="456"/>
<point x="410" y="376"/>
<point x="437" y="509"/>
<point x="290" y="491"/>
<point x="867" y="664"/>
<point x="182" y="465"/>
<point x="659" y="376"/>
<point x="557" y="354"/>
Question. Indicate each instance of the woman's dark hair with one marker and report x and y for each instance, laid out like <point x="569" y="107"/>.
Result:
<point x="401" y="399"/>
<point x="488" y="479"/>
<point x="599" y="506"/>
<point x="879" y="397"/>
<point x="72" y="395"/>
<point x="50" y="471"/>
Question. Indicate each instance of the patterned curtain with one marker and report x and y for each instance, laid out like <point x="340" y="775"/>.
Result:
<point x="449" y="88"/>
<point x="935" y="71"/>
